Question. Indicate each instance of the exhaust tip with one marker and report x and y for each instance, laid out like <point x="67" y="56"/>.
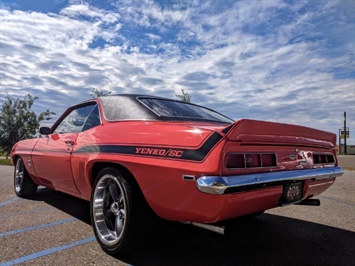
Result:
<point x="220" y="229"/>
<point x="310" y="202"/>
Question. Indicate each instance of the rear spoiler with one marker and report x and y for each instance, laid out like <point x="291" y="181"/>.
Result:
<point x="257" y="132"/>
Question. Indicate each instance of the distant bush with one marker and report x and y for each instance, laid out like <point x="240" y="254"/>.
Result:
<point x="5" y="162"/>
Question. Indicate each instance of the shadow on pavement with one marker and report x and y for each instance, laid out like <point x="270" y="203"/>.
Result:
<point x="73" y="206"/>
<point x="269" y="239"/>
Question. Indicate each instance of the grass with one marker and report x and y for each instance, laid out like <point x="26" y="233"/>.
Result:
<point x="5" y="162"/>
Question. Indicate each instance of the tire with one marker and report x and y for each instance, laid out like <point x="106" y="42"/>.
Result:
<point x="117" y="212"/>
<point x="23" y="185"/>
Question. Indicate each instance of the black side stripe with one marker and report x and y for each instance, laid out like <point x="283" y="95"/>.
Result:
<point x="226" y="130"/>
<point x="161" y="152"/>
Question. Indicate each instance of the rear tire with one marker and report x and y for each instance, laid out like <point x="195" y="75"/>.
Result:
<point x="23" y="184"/>
<point x="117" y="212"/>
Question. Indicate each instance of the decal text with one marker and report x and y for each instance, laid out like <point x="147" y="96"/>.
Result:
<point x="159" y="152"/>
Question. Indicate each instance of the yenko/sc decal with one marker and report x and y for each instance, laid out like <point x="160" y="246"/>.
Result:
<point x="160" y="152"/>
<point x="198" y="154"/>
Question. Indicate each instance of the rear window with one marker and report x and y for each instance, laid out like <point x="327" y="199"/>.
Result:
<point x="170" y="109"/>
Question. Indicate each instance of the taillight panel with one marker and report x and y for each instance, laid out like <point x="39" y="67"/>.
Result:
<point x="250" y="160"/>
<point x="323" y="158"/>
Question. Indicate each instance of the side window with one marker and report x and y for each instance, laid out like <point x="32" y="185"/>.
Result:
<point x="93" y="119"/>
<point x="75" y="120"/>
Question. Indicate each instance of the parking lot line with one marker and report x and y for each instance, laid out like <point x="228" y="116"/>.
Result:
<point x="37" y="227"/>
<point x="25" y="213"/>
<point x="47" y="252"/>
<point x="9" y="201"/>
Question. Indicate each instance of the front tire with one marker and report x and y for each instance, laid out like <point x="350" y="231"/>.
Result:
<point x="116" y="212"/>
<point x="23" y="184"/>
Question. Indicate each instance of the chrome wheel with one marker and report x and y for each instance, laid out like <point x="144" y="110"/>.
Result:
<point x="109" y="209"/>
<point x="118" y="211"/>
<point x="19" y="175"/>
<point x="23" y="184"/>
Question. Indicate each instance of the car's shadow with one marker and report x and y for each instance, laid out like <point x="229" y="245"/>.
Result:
<point x="269" y="239"/>
<point x="73" y="206"/>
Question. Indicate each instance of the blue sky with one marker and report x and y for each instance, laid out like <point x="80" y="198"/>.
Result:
<point x="277" y="60"/>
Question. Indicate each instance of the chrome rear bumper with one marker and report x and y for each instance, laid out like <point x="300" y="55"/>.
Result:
<point x="230" y="184"/>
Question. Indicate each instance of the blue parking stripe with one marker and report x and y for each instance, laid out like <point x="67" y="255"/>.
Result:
<point x="37" y="227"/>
<point x="47" y="252"/>
<point x="5" y="216"/>
<point x="8" y="201"/>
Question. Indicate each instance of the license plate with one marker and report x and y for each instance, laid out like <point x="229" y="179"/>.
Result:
<point x="292" y="192"/>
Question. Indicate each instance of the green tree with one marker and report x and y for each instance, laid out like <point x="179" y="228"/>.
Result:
<point x="18" y="121"/>
<point x="184" y="97"/>
<point x="98" y="93"/>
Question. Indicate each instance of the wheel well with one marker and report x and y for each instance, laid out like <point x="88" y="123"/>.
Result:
<point x="126" y="173"/>
<point x="14" y="159"/>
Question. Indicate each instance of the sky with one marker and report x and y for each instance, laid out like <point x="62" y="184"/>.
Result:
<point x="289" y="61"/>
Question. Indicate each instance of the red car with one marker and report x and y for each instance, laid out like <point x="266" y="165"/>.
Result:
<point x="129" y="153"/>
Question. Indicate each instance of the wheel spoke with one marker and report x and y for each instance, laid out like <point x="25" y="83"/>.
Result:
<point x="120" y="201"/>
<point x="113" y="191"/>
<point x="106" y="200"/>
<point x="107" y="212"/>
<point x="109" y="220"/>
<point x="119" y="225"/>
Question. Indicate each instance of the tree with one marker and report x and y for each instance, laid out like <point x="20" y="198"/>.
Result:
<point x="18" y="121"/>
<point x="184" y="97"/>
<point x="98" y="93"/>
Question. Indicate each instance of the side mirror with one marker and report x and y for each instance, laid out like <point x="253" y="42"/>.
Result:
<point x="44" y="130"/>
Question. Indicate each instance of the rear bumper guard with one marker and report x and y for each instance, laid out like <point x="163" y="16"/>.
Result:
<point x="230" y="184"/>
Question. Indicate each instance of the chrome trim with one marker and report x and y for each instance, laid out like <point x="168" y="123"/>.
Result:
<point x="220" y="184"/>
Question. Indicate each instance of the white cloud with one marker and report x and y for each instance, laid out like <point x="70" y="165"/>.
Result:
<point x="81" y="10"/>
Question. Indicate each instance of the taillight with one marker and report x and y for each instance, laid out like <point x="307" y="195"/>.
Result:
<point x="323" y="158"/>
<point x="250" y="160"/>
<point x="235" y="161"/>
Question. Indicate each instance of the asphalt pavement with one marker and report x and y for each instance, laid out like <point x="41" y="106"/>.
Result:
<point x="347" y="161"/>
<point x="54" y="229"/>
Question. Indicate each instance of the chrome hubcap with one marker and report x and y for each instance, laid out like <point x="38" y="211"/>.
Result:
<point x="109" y="210"/>
<point x="19" y="175"/>
<point x="114" y="208"/>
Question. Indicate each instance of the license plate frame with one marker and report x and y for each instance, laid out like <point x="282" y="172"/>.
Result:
<point x="292" y="192"/>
